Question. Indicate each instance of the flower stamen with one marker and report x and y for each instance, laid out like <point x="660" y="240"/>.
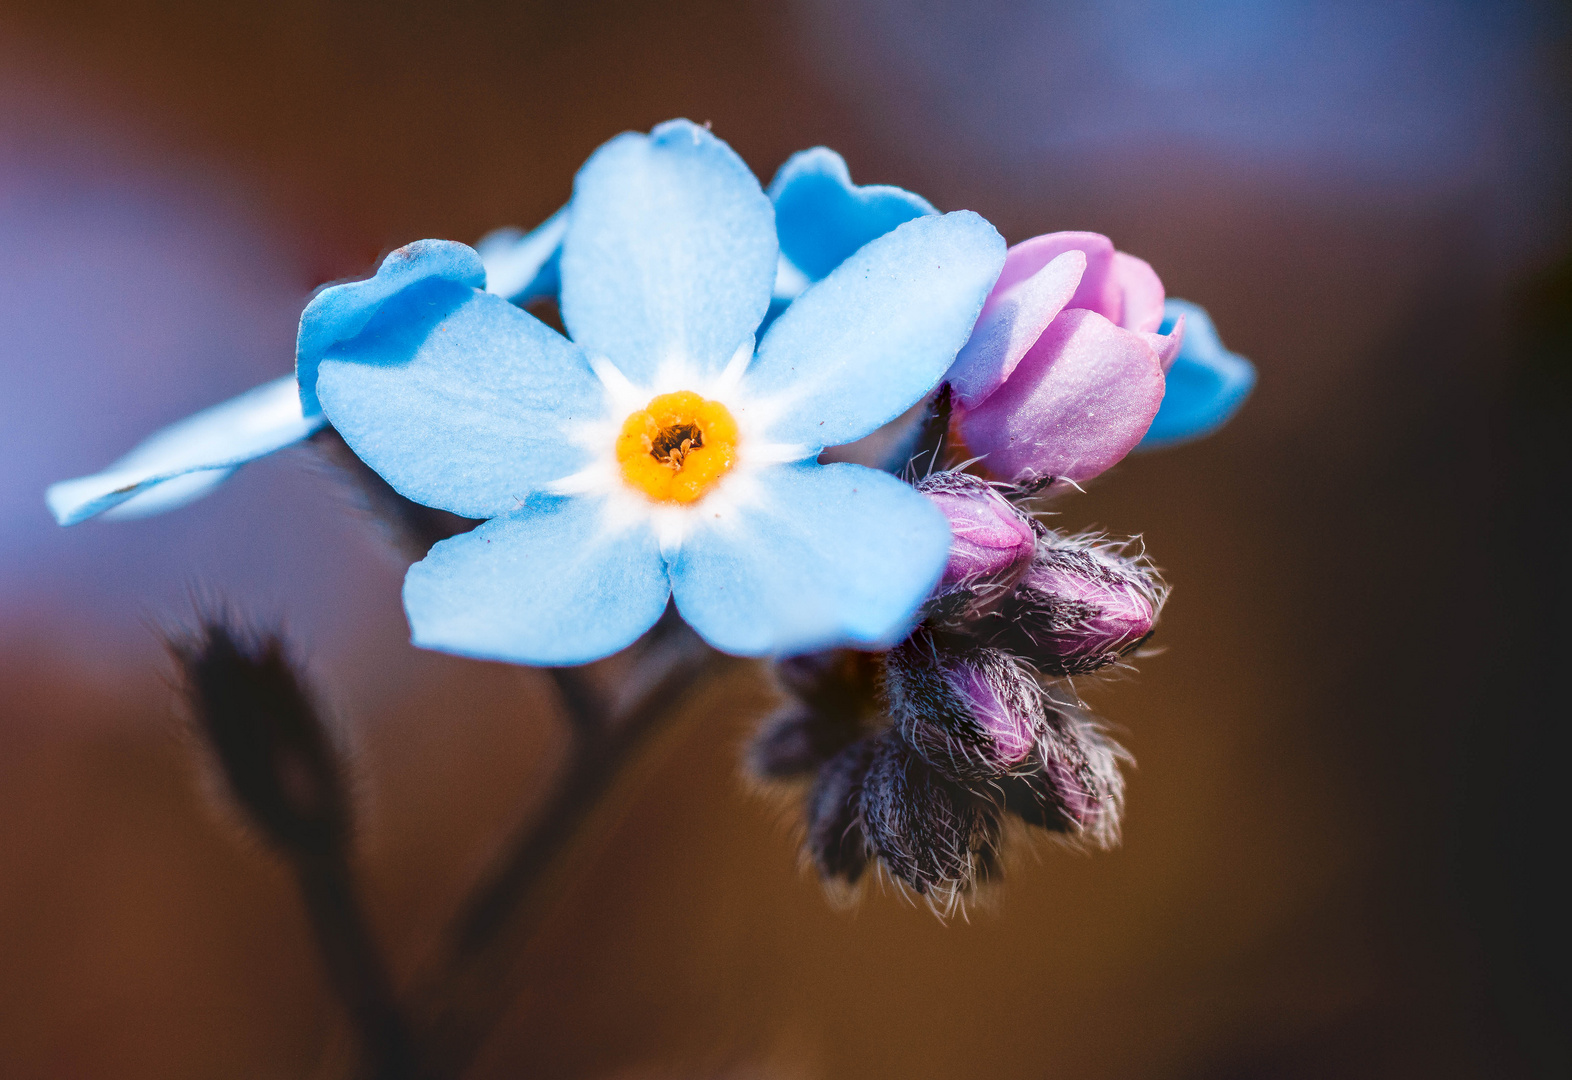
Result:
<point x="677" y="447"/>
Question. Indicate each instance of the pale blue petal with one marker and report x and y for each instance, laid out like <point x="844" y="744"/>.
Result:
<point x="459" y="399"/>
<point x="521" y="267"/>
<point x="242" y="429"/>
<point x="340" y="312"/>
<point x="670" y="253"/>
<point x="821" y="217"/>
<point x="553" y="583"/>
<point x="1206" y="385"/>
<point x="828" y="555"/>
<point x="169" y="495"/>
<point x="862" y="346"/>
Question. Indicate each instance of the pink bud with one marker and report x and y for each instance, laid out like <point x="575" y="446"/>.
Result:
<point x="973" y="714"/>
<point x="990" y="540"/>
<point x="1080" y="606"/>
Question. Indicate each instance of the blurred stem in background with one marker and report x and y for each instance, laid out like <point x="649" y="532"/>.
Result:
<point x="464" y="992"/>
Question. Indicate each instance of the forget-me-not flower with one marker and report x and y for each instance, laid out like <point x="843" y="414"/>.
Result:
<point x="1065" y="369"/>
<point x="656" y="454"/>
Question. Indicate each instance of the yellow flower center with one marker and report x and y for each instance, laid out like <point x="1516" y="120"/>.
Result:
<point x="677" y="447"/>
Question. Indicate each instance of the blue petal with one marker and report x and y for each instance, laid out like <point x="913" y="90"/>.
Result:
<point x="521" y="267"/>
<point x="670" y="253"/>
<point x="459" y="399"/>
<point x="1206" y="384"/>
<point x="215" y="440"/>
<point x="340" y="312"/>
<point x="867" y="342"/>
<point x="169" y="495"/>
<point x="821" y="217"/>
<point x="553" y="583"/>
<point x="826" y="556"/>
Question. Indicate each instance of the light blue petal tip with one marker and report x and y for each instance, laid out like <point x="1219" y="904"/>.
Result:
<point x="822" y="217"/>
<point x="340" y="312"/>
<point x="521" y="267"/>
<point x="825" y="556"/>
<point x="190" y="458"/>
<point x="670" y="252"/>
<point x="1206" y="385"/>
<point x="552" y="583"/>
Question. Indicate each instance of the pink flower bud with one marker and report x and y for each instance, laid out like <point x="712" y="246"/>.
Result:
<point x="973" y="714"/>
<point x="1079" y="607"/>
<point x="991" y="541"/>
<point x="1064" y="370"/>
<point x="1076" y="788"/>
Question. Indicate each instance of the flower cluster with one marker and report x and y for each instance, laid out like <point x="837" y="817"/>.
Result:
<point x="918" y="755"/>
<point x="667" y="449"/>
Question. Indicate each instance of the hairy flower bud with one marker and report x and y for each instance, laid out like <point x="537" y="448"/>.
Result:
<point x="1080" y="606"/>
<point x="836" y="840"/>
<point x="1076" y="787"/>
<point x="991" y="542"/>
<point x="931" y="834"/>
<point x="256" y="714"/>
<point x="973" y="714"/>
<point x="834" y="695"/>
<point x="796" y="739"/>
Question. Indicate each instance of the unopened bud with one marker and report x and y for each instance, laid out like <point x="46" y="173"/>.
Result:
<point x="991" y="542"/>
<point x="833" y="695"/>
<point x="1076" y="788"/>
<point x="836" y="840"/>
<point x="1079" y="607"/>
<point x="256" y="714"/>
<point x="931" y="834"/>
<point x="796" y="739"/>
<point x="973" y="714"/>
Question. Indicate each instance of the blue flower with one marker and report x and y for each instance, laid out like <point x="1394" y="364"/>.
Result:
<point x="1206" y="385"/>
<point x="188" y="459"/>
<point x="657" y="454"/>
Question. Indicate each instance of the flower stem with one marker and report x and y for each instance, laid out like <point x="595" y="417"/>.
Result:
<point x="354" y="965"/>
<point x="468" y="988"/>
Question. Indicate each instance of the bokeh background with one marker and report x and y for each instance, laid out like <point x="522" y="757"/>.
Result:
<point x="1343" y="836"/>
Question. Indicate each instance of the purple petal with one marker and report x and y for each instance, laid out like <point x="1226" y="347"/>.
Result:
<point x="1081" y="399"/>
<point x="1099" y="290"/>
<point x="1167" y="345"/>
<point x="1013" y="317"/>
<point x="1141" y="291"/>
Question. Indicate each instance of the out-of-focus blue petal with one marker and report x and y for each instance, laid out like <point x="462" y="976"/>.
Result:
<point x="822" y="217"/>
<point x="257" y="422"/>
<point x="459" y="399"/>
<point x="552" y="583"/>
<point x="826" y="555"/>
<point x="340" y="312"/>
<point x="670" y="253"/>
<point x="1206" y="384"/>
<point x="521" y="266"/>
<point x="860" y="347"/>
<point x="170" y="495"/>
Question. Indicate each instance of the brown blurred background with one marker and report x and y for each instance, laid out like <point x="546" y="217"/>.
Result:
<point x="1342" y="836"/>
